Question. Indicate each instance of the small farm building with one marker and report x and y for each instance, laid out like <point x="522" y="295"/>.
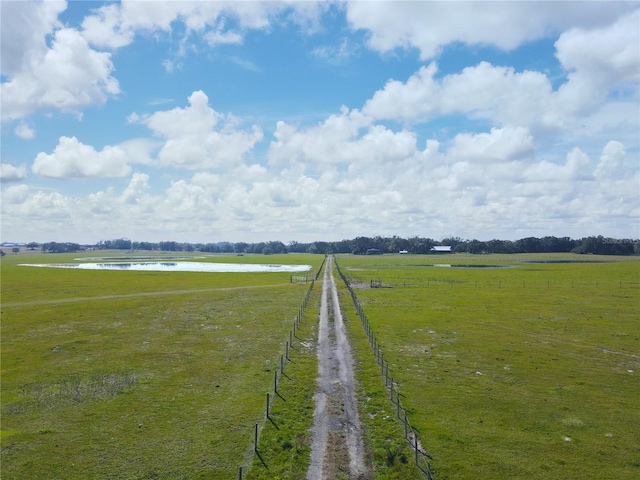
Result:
<point x="441" y="249"/>
<point x="374" y="251"/>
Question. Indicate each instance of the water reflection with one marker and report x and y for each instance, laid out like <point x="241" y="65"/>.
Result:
<point x="178" y="266"/>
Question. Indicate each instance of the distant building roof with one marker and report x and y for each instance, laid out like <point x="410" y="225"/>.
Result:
<point x="442" y="249"/>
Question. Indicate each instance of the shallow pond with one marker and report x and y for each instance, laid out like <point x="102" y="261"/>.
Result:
<point x="177" y="266"/>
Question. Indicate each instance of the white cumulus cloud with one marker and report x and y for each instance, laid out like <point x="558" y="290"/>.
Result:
<point x="65" y="73"/>
<point x="73" y="159"/>
<point x="499" y="145"/>
<point x="24" y="131"/>
<point x="428" y="26"/>
<point x="198" y="137"/>
<point x="11" y="173"/>
<point x="600" y="60"/>
<point x="350" y="137"/>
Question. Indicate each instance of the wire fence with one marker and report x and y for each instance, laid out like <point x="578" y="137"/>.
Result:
<point x="400" y="282"/>
<point x="279" y="372"/>
<point x="422" y="457"/>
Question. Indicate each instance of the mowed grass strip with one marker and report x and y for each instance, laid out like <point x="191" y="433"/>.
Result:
<point x="137" y="386"/>
<point x="524" y="372"/>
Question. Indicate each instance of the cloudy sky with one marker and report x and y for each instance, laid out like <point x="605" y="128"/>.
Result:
<point x="250" y="121"/>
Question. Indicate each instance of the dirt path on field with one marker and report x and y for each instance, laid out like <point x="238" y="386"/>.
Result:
<point x="55" y="301"/>
<point x="337" y="446"/>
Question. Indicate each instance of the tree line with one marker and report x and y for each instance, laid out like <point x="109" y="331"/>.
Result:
<point x="360" y="245"/>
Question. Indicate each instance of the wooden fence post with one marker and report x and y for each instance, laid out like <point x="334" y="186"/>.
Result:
<point x="406" y="433"/>
<point x="386" y="373"/>
<point x="255" y="438"/>
<point x="267" y="404"/>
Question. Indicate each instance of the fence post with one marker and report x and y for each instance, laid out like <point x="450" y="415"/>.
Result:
<point x="275" y="382"/>
<point x="386" y="372"/>
<point x="267" y="404"/>
<point x="415" y="440"/>
<point x="255" y="438"/>
<point x="240" y="473"/>
<point x="406" y="433"/>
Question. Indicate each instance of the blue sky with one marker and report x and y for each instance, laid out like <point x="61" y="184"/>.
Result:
<point x="253" y="121"/>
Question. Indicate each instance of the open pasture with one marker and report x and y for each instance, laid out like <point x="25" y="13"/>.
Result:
<point x="109" y="374"/>
<point x="531" y="371"/>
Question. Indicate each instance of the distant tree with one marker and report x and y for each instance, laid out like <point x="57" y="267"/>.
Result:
<point x="606" y="246"/>
<point x="476" y="247"/>
<point x="500" y="246"/>
<point x="451" y="241"/>
<point x="420" y="245"/>
<point x="209" y="248"/>
<point x="343" y="246"/>
<point x="225" y="247"/>
<point x="323" y="248"/>
<point x="397" y="244"/>
<point x="277" y="247"/>
<point x="55" y="247"/>
<point x="15" y="249"/>
<point x="360" y="245"/>
<point x="32" y="245"/>
<point x="297" y="247"/>
<point x="169" y="246"/>
<point x="240" y="247"/>
<point x="143" y="246"/>
<point x="2" y="254"/>
<point x="267" y="251"/>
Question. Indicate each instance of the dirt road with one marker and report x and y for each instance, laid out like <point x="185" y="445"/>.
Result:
<point x="337" y="445"/>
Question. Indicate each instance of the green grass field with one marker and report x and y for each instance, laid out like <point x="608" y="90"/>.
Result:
<point x="110" y="374"/>
<point x="531" y="371"/>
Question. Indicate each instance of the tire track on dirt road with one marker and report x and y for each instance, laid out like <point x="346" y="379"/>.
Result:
<point x="336" y="431"/>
